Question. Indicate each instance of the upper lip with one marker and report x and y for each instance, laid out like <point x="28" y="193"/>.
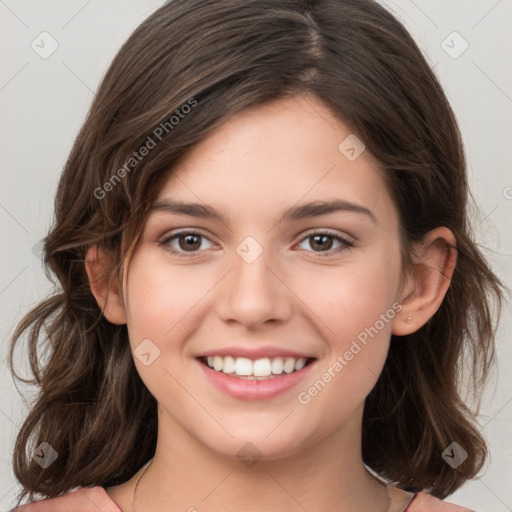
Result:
<point x="254" y="352"/>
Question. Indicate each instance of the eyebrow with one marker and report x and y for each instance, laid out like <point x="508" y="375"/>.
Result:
<point x="302" y="211"/>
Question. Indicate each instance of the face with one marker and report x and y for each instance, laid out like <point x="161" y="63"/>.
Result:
<point x="266" y="279"/>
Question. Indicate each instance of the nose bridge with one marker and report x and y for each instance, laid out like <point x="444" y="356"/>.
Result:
<point x="252" y="275"/>
<point x="254" y="293"/>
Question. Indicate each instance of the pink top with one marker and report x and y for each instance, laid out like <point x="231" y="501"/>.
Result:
<point x="96" y="499"/>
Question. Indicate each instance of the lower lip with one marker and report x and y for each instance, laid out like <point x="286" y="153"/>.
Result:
<point x="246" y="389"/>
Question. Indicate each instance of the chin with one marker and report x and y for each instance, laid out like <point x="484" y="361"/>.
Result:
<point x="252" y="446"/>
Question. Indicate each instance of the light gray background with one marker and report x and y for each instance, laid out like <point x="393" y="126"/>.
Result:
<point x="43" y="102"/>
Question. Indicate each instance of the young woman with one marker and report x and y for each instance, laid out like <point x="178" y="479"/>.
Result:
<point x="266" y="278"/>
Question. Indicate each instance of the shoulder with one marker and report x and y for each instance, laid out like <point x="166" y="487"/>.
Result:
<point x="85" y="499"/>
<point x="423" y="502"/>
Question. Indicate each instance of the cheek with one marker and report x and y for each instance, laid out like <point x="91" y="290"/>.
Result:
<point x="355" y="304"/>
<point x="356" y="348"/>
<point x="365" y="295"/>
<point x="348" y="298"/>
<point x="160" y="305"/>
<point x="161" y="297"/>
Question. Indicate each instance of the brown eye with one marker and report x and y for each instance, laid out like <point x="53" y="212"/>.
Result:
<point x="189" y="243"/>
<point x="321" y="243"/>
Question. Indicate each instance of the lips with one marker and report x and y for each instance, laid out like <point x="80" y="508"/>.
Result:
<point x="255" y="372"/>
<point x="252" y="387"/>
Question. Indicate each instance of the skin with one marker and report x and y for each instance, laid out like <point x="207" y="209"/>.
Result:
<point x="252" y="168"/>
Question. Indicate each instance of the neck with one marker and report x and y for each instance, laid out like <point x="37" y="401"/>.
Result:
<point x="327" y="475"/>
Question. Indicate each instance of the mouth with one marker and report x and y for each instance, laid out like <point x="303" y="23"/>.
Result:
<point x="266" y="368"/>
<point x="263" y="378"/>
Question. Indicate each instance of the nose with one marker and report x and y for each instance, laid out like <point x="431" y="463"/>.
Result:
<point x="254" y="293"/>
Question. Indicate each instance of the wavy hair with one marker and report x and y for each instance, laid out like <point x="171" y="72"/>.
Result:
<point x="223" y="56"/>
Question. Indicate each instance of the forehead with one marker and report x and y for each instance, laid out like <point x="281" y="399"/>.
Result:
<point x="289" y="151"/>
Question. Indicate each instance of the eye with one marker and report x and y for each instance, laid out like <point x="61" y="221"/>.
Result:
<point x="188" y="243"/>
<point x="323" y="241"/>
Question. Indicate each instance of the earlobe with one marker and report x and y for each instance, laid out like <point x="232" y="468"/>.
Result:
<point x="426" y="289"/>
<point x="106" y="290"/>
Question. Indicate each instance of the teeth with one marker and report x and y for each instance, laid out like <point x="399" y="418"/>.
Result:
<point x="289" y="365"/>
<point x="243" y="366"/>
<point x="266" y="367"/>
<point x="261" y="368"/>
<point x="228" y="366"/>
<point x="217" y="363"/>
<point x="300" y="363"/>
<point x="277" y="366"/>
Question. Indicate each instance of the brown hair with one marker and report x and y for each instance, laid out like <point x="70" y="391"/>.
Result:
<point x="220" y="57"/>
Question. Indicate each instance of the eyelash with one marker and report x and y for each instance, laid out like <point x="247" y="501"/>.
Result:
<point x="346" y="245"/>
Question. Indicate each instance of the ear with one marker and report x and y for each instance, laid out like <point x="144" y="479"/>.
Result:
<point x="424" y="291"/>
<point x="107" y="291"/>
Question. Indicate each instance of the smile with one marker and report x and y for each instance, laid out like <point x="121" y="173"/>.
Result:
<point x="254" y="379"/>
<point x="264" y="368"/>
